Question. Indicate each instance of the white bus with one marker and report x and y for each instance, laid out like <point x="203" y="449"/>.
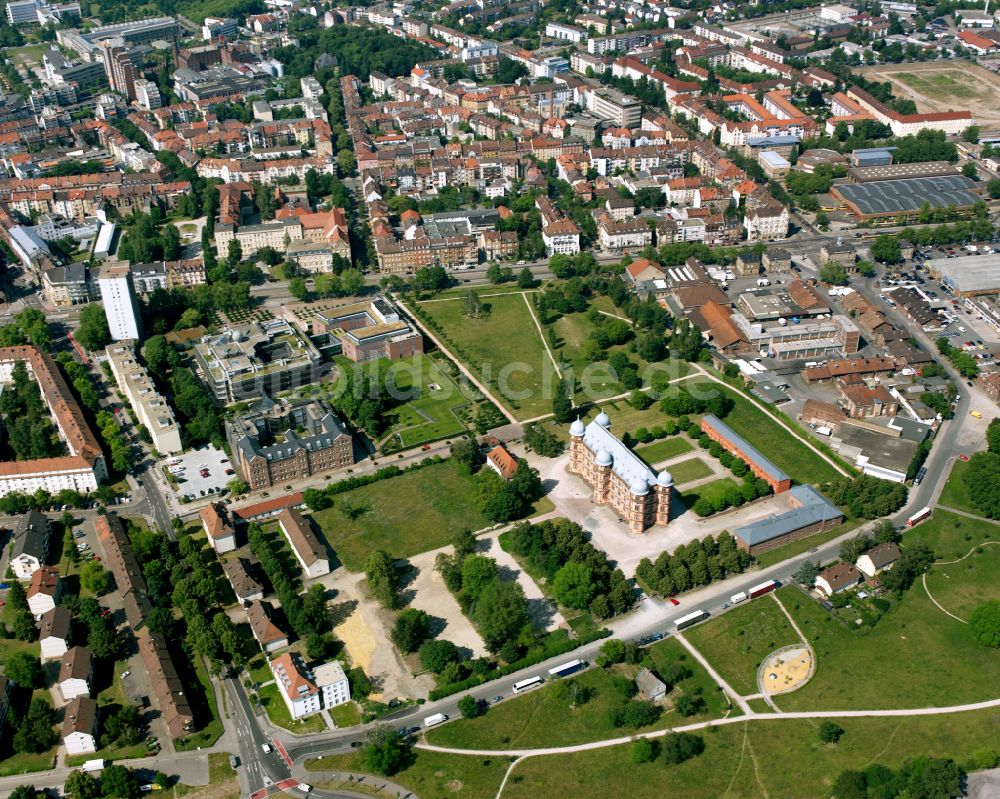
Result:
<point x="528" y="684"/>
<point x="691" y="618"/>
<point x="567" y="668"/>
<point x="437" y="718"/>
<point x="918" y="517"/>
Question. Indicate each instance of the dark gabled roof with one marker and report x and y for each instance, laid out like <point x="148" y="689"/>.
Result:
<point x="31" y="535"/>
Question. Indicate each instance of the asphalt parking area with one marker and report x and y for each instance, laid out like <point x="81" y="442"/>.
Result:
<point x="193" y="481"/>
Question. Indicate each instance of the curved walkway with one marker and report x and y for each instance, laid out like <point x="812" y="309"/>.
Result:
<point x="751" y="716"/>
<point x="923" y="577"/>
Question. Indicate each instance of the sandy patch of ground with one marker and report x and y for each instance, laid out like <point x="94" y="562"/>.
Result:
<point x="572" y="498"/>
<point x="365" y="632"/>
<point x="543" y="610"/>
<point x="944" y="86"/>
<point x="786" y="669"/>
<point x="427" y="592"/>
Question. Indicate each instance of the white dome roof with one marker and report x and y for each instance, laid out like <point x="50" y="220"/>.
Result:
<point x="577" y="428"/>
<point x="603" y="458"/>
<point x="665" y="479"/>
<point x="603" y="419"/>
<point x="639" y="488"/>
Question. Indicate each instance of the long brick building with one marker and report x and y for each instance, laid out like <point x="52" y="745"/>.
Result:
<point x="738" y="446"/>
<point x="618" y="476"/>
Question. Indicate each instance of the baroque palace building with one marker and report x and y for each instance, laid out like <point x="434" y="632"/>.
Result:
<point x="618" y="476"/>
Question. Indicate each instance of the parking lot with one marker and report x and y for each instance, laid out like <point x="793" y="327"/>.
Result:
<point x="200" y="472"/>
<point x="963" y="325"/>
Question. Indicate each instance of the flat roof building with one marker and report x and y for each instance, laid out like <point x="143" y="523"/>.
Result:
<point x="256" y="359"/>
<point x="151" y="408"/>
<point x="968" y="275"/>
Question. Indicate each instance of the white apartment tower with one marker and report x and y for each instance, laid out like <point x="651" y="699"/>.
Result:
<point x="120" y="304"/>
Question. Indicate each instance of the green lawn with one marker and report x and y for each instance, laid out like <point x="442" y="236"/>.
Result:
<point x="502" y="347"/>
<point x="430" y="775"/>
<point x="962" y="587"/>
<point x="277" y="712"/>
<point x="403" y="515"/>
<point x="21" y="764"/>
<point x="664" y="449"/>
<point x="688" y="470"/>
<point x="755" y="760"/>
<point x="737" y="641"/>
<point x="786" y="451"/>
<point x="259" y="669"/>
<point x="951" y="535"/>
<point x="714" y="489"/>
<point x="346" y="715"/>
<point x="955" y="494"/>
<point x="432" y="413"/>
<point x="111" y="753"/>
<point x="544" y="717"/>
<point x="915" y="656"/>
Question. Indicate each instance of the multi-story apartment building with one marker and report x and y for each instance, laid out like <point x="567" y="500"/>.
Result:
<point x="121" y="306"/>
<point x="308" y="692"/>
<point x="618" y="476"/>
<point x="151" y="408"/>
<point x="83" y="469"/>
<point x="277" y="442"/>
<point x="767" y="221"/>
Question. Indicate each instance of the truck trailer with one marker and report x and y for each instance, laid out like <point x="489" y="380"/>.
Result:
<point x="763" y="588"/>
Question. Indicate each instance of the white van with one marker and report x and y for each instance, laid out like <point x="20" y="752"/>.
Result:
<point x="437" y="718"/>
<point x="740" y="597"/>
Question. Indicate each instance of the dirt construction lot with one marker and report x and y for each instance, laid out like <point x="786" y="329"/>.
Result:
<point x="944" y="86"/>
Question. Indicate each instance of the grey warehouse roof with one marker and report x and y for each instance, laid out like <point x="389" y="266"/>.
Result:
<point x="898" y="196"/>
<point x="968" y="273"/>
<point x="815" y="508"/>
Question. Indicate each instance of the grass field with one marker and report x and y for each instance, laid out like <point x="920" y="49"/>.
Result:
<point x="346" y="715"/>
<point x="962" y="587"/>
<point x="955" y="494"/>
<point x="404" y="515"/>
<point x="436" y="407"/>
<point x="737" y="642"/>
<point x="952" y="84"/>
<point x="938" y="85"/>
<point x="29" y="52"/>
<point x="951" y="535"/>
<point x="785" y="450"/>
<point x="543" y="718"/>
<point x="664" y="449"/>
<point x="714" y="489"/>
<point x="430" y="775"/>
<point x="502" y="347"/>
<point x="690" y="469"/>
<point x="277" y="712"/>
<point x="915" y="656"/>
<point x="756" y="760"/>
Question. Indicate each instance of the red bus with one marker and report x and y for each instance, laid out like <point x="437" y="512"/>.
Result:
<point x="918" y="517"/>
